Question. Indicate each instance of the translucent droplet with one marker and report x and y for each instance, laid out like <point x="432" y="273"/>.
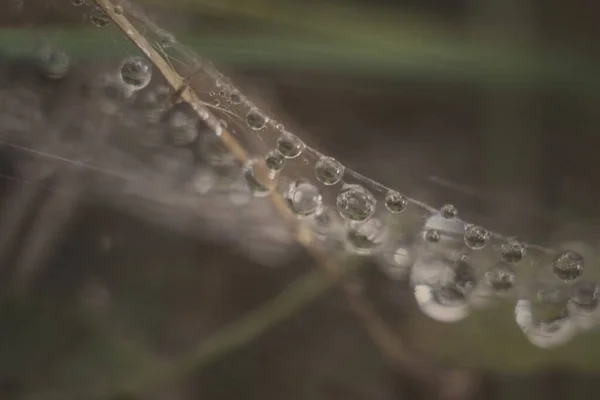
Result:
<point x="136" y="72"/>
<point x="365" y="238"/>
<point x="166" y="39"/>
<point x="501" y="277"/>
<point x="585" y="295"/>
<point x="235" y="98"/>
<point x="289" y="145"/>
<point x="213" y="151"/>
<point x="119" y="10"/>
<point x="274" y="161"/>
<point x="432" y="235"/>
<point x="355" y="203"/>
<point x="395" y="202"/>
<point x="182" y="125"/>
<point x="304" y="198"/>
<point x="329" y="171"/>
<point x="78" y="3"/>
<point x="449" y="211"/>
<point x="512" y="251"/>
<point x="568" y="265"/>
<point x="444" y="304"/>
<point x="476" y="237"/>
<point x="322" y="222"/>
<point x="255" y="174"/>
<point x="256" y="120"/>
<point x="54" y="64"/>
<point x="99" y="17"/>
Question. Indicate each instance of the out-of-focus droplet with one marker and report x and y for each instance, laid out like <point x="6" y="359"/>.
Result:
<point x="304" y="198"/>
<point x="444" y="304"/>
<point x="476" y="237"/>
<point x="289" y="145"/>
<point x="119" y="10"/>
<point x="54" y="64"/>
<point x="181" y="124"/>
<point x="274" y="161"/>
<point x="512" y="251"/>
<point x="213" y="151"/>
<point x="501" y="277"/>
<point x="432" y="235"/>
<point x="449" y="211"/>
<point x="366" y="237"/>
<point x="395" y="202"/>
<point x="256" y="120"/>
<point x="568" y="265"/>
<point x="78" y="3"/>
<point x="329" y="171"/>
<point x="256" y="177"/>
<point x="99" y="17"/>
<point x="136" y="72"/>
<point x="356" y="203"/>
<point x="235" y="97"/>
<point x="584" y="295"/>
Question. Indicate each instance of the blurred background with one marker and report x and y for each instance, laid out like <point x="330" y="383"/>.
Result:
<point x="490" y="105"/>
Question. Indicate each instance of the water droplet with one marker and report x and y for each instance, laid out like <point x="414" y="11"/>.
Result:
<point x="568" y="265"/>
<point x="449" y="211"/>
<point x="304" y="198"/>
<point x="501" y="277"/>
<point x="119" y="10"/>
<point x="235" y="97"/>
<point x="256" y="177"/>
<point x="54" y="64"/>
<point x="136" y="72"/>
<point x="395" y="202"/>
<point x="182" y="125"/>
<point x="476" y="237"/>
<point x="166" y="39"/>
<point x="329" y="171"/>
<point x="213" y="151"/>
<point x="365" y="238"/>
<point x="256" y="120"/>
<point x="512" y="251"/>
<point x="585" y="295"/>
<point x="99" y="17"/>
<point x="289" y="145"/>
<point x="432" y="235"/>
<point x="78" y="3"/>
<point x="274" y="161"/>
<point x="355" y="203"/>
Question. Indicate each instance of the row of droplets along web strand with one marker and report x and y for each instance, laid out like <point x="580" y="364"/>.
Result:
<point x="356" y="201"/>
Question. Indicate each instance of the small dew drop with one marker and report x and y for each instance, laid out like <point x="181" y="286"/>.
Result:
<point x="274" y="161"/>
<point x="99" y="17"/>
<point x="476" y="237"/>
<point x="365" y="238"/>
<point x="432" y="235"/>
<point x="289" y="145"/>
<point x="395" y="202"/>
<point x="449" y="211"/>
<point x="304" y="198"/>
<point x="256" y="120"/>
<point x="568" y="265"/>
<point x="119" y="10"/>
<point x="235" y="98"/>
<point x="512" y="251"/>
<point x="329" y="171"/>
<point x="136" y="72"/>
<point x="501" y="277"/>
<point x="355" y="203"/>
<point x="584" y="295"/>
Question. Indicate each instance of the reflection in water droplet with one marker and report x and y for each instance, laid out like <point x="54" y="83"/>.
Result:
<point x="289" y="145"/>
<point x="568" y="265"/>
<point x="99" y="17"/>
<point x="395" y="202"/>
<point x="501" y="277"/>
<point x="432" y="235"/>
<point x="355" y="203"/>
<point x="476" y="237"/>
<point x="365" y="238"/>
<point x="274" y="161"/>
<point x="512" y="251"/>
<point x="304" y="198"/>
<point x="136" y="72"/>
<point x="255" y="174"/>
<point x="449" y="211"/>
<point x="329" y="171"/>
<point x="256" y="120"/>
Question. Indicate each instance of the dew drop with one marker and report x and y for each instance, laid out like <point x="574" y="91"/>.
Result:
<point x="182" y="125"/>
<point x="274" y="161"/>
<point x="166" y="39"/>
<point x="99" y="17"/>
<point x="501" y="277"/>
<point x="54" y="64"/>
<point x="235" y="98"/>
<point x="136" y="72"/>
<point x="512" y="251"/>
<point x="304" y="198"/>
<point x="365" y="238"/>
<point x="289" y="145"/>
<point x="355" y="203"/>
<point x="476" y="237"/>
<point x="432" y="235"/>
<point x="119" y="10"/>
<point x="568" y="265"/>
<point x="449" y="211"/>
<point x="254" y="175"/>
<point x="585" y="295"/>
<point x="256" y="120"/>
<point x="329" y="171"/>
<point x="395" y="202"/>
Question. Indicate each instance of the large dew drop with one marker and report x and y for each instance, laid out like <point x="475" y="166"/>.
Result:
<point x="568" y="265"/>
<point x="136" y="72"/>
<point x="274" y="161"/>
<point x="304" y="198"/>
<point x="512" y="251"/>
<point x="256" y="120"/>
<point x="355" y="203"/>
<point x="289" y="146"/>
<point x="395" y="202"/>
<point x="476" y="237"/>
<point x="329" y="171"/>
<point x="449" y="211"/>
